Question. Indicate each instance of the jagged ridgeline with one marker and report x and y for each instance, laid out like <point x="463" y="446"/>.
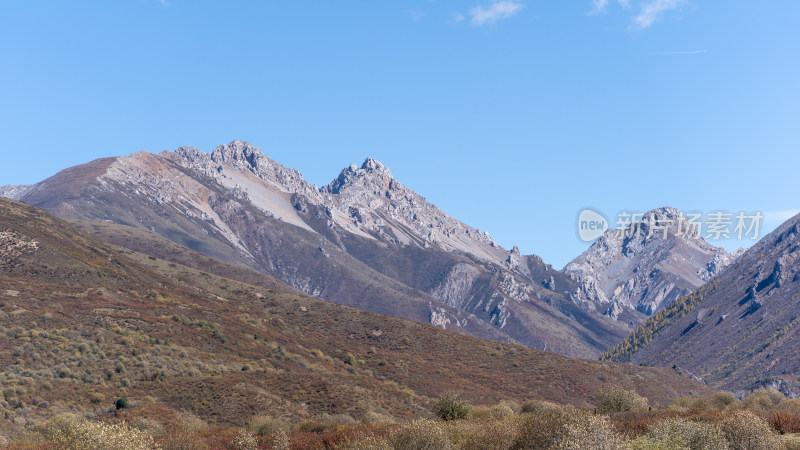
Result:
<point x="363" y="240"/>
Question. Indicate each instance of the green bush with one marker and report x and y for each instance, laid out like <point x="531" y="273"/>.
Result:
<point x="614" y="398"/>
<point x="450" y="407"/>
<point x="121" y="403"/>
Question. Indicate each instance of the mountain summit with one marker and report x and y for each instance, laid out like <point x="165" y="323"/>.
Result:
<point x="632" y="273"/>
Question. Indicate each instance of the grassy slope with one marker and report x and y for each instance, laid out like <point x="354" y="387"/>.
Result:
<point x="82" y="323"/>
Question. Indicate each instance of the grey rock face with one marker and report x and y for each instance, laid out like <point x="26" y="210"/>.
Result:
<point x="646" y="266"/>
<point x="14" y="192"/>
<point x="377" y="203"/>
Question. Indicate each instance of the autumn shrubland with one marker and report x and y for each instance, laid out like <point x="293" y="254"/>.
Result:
<point x="97" y="340"/>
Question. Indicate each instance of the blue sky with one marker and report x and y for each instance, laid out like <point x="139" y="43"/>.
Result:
<point x="511" y="116"/>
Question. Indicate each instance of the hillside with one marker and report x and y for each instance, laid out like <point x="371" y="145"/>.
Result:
<point x="83" y="323"/>
<point x="740" y="330"/>
<point x="363" y="240"/>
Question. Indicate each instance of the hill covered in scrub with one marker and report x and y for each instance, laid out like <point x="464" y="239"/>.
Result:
<point x="84" y="323"/>
<point x="739" y="331"/>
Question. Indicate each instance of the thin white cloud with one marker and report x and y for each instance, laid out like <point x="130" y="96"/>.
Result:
<point x="163" y="2"/>
<point x="496" y="11"/>
<point x="600" y="6"/>
<point x="652" y="12"/>
<point x="687" y="52"/>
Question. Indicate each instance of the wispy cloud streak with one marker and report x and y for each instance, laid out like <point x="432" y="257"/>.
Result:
<point x="652" y="12"/>
<point x="496" y="11"/>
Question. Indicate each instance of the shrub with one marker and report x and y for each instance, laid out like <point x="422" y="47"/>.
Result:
<point x="268" y="426"/>
<point x="565" y="427"/>
<point x="681" y="433"/>
<point x="244" y="441"/>
<point x="586" y="431"/>
<point x="681" y="404"/>
<point x="72" y="432"/>
<point x="421" y="434"/>
<point x="614" y="398"/>
<point x="487" y="434"/>
<point x="746" y="431"/>
<point x="121" y="403"/>
<point x="764" y="398"/>
<point x="450" y="407"/>
<point x="280" y="441"/>
<point x="147" y="425"/>
<point x="494" y="412"/>
<point x="190" y="422"/>
<point x="325" y="423"/>
<point x="182" y="440"/>
<point x="533" y="406"/>
<point x="724" y="400"/>
<point x="785" y="420"/>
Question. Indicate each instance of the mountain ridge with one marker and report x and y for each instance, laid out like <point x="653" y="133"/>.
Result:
<point x="364" y="240"/>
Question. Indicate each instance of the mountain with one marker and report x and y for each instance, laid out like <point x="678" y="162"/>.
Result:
<point x="363" y="240"/>
<point x="630" y="274"/>
<point x="740" y="330"/>
<point x="13" y="191"/>
<point x="83" y="323"/>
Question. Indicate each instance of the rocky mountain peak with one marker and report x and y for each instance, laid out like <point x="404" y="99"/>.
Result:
<point x="240" y="153"/>
<point x="190" y="153"/>
<point x="645" y="265"/>
<point x="372" y="175"/>
<point x="373" y="165"/>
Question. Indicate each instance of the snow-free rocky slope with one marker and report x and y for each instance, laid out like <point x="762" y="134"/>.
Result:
<point x="738" y="332"/>
<point x="631" y="275"/>
<point x="364" y="240"/>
